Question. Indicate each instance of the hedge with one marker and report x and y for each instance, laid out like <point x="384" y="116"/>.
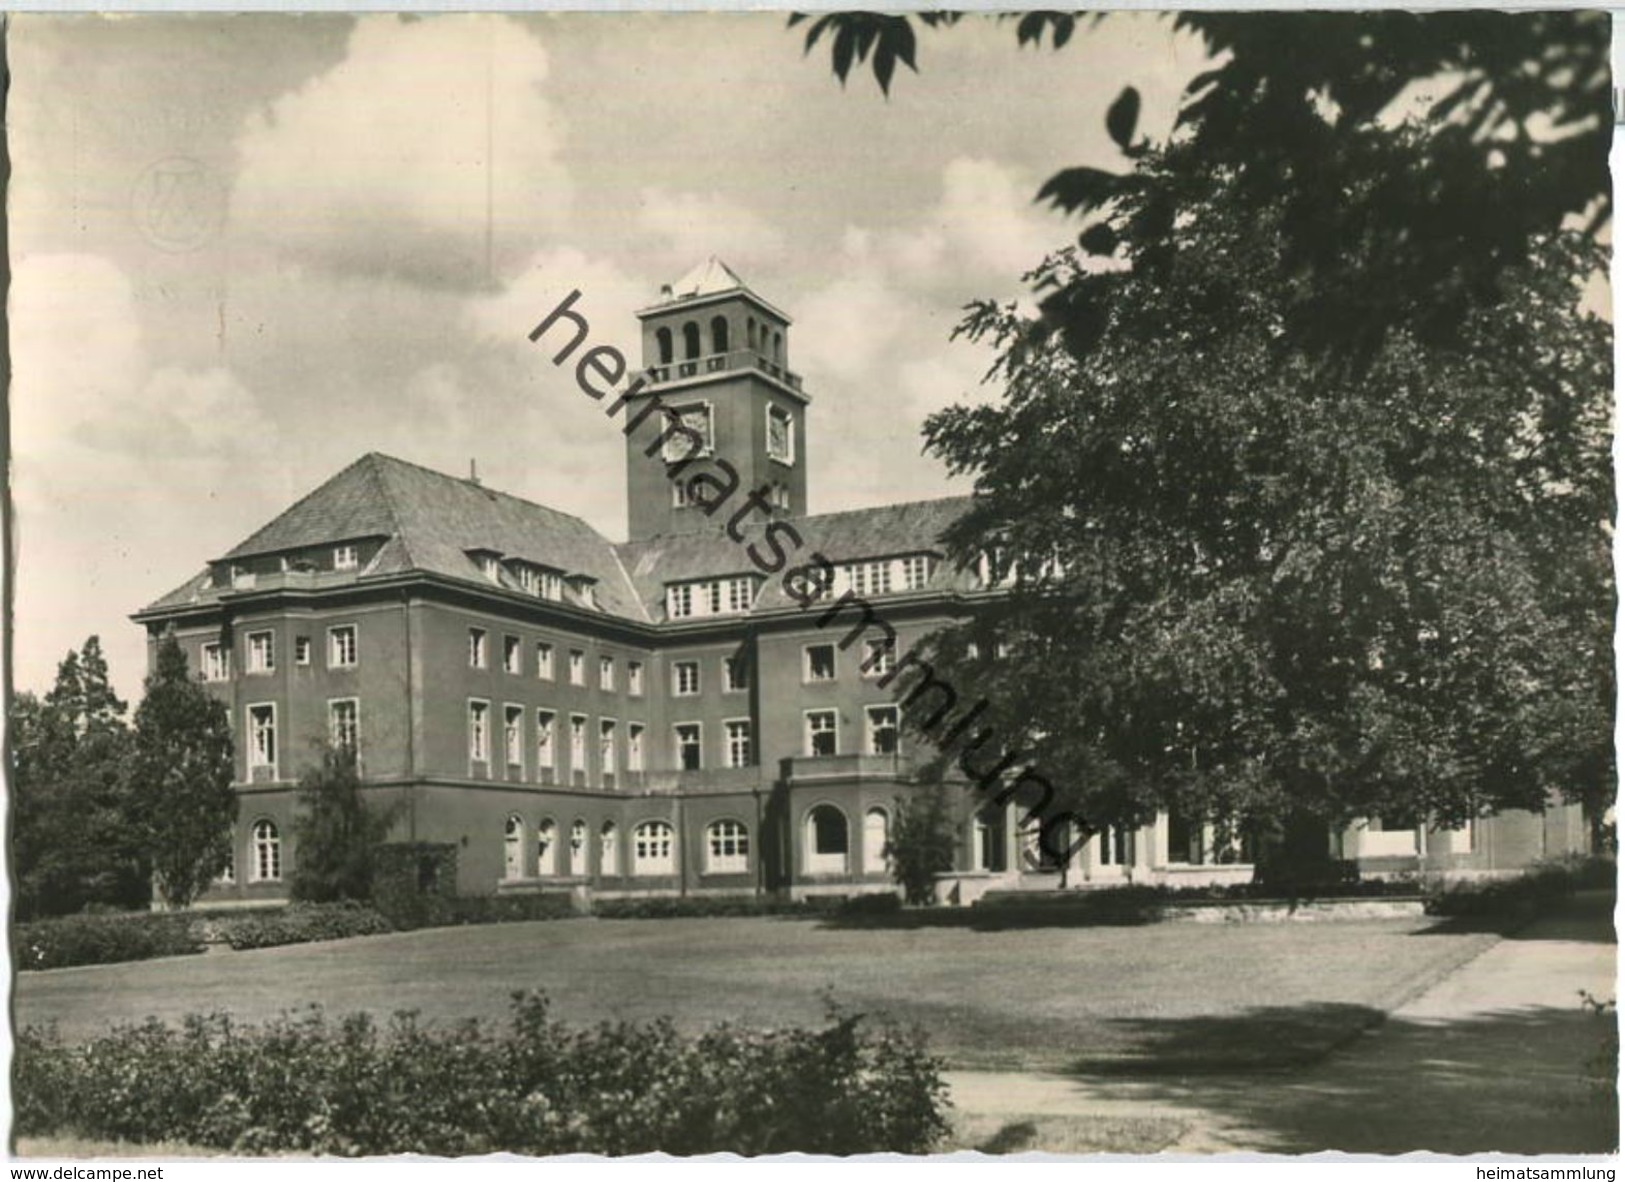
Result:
<point x="101" y="939"/>
<point x="351" y="1087"/>
<point x="1534" y="890"/>
<point x="301" y="923"/>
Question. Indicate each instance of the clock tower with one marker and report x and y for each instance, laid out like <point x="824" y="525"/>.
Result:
<point x="716" y="355"/>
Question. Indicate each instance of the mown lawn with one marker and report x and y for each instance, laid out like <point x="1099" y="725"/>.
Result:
<point x="1187" y="997"/>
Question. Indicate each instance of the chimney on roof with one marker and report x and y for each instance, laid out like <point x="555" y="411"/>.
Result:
<point x="473" y="472"/>
<point x="665" y="291"/>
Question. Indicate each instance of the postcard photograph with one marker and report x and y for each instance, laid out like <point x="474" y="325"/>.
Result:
<point x="847" y="583"/>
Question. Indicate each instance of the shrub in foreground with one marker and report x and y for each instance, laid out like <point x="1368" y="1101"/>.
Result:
<point x="101" y="939"/>
<point x="352" y="1088"/>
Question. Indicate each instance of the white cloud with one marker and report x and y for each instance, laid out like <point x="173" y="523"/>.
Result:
<point x="113" y="462"/>
<point x="690" y="228"/>
<point x="429" y="142"/>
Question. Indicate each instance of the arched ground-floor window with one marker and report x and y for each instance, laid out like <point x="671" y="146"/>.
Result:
<point x="547" y="849"/>
<point x="652" y="848"/>
<point x="727" y="847"/>
<point x="513" y="847"/>
<point x="875" y="835"/>
<point x="609" y="849"/>
<point x="267" y="865"/>
<point x="578" y="849"/>
<point x="826" y="838"/>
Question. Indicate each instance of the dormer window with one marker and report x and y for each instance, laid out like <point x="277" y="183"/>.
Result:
<point x="585" y="589"/>
<point x="713" y="597"/>
<point x="544" y="584"/>
<point x="489" y="563"/>
<point x="781" y="435"/>
<point x="242" y="578"/>
<point x="346" y="557"/>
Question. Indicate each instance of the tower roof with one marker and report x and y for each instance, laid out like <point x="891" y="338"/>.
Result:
<point x="710" y="281"/>
<point x="709" y="278"/>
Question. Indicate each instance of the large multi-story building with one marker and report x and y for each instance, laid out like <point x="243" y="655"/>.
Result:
<point x="648" y="716"/>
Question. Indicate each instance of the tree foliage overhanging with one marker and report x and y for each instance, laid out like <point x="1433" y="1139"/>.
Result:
<point x="1304" y="460"/>
<point x="1299" y="107"/>
<point x="1253" y="583"/>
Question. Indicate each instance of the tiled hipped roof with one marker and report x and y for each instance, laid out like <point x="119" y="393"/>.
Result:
<point x="430" y="522"/>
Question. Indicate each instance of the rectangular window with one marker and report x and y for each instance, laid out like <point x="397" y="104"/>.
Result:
<point x="261" y="652"/>
<point x="821" y="732"/>
<point x="781" y="435"/>
<point x="680" y="601"/>
<point x="606" y="673"/>
<point x="578" y="667"/>
<point x="491" y="568"/>
<point x="578" y="743"/>
<point x="634" y="746"/>
<point x="735" y="674"/>
<point x="741" y="592"/>
<point x="216" y="662"/>
<point x="513" y="735"/>
<point x="544" y="660"/>
<point x="544" y="739"/>
<point x="687" y="735"/>
<point x="262" y="736"/>
<point x="882" y="722"/>
<point x="341" y="647"/>
<point x="345" y="558"/>
<point x="818" y="662"/>
<point x="634" y="678"/>
<point x="879" y="657"/>
<point x="916" y="572"/>
<point x="606" y="746"/>
<point x="479" y="732"/>
<point x="344" y="723"/>
<point x="476" y="648"/>
<point x="513" y="660"/>
<point x="739" y="754"/>
<point x="301" y="650"/>
<point x="680" y="494"/>
<point x="685" y="678"/>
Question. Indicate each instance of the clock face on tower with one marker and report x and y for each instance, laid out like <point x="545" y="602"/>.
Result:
<point x="729" y="411"/>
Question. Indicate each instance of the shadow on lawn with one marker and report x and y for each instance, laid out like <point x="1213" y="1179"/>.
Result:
<point x="1515" y="1081"/>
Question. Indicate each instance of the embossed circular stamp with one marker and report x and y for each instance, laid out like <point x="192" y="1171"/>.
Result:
<point x="177" y="204"/>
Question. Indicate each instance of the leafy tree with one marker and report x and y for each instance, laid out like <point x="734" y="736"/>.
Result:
<point x="72" y="843"/>
<point x="181" y="776"/>
<point x="336" y="834"/>
<point x="1298" y="106"/>
<point x="1264" y="588"/>
<point x="921" y="844"/>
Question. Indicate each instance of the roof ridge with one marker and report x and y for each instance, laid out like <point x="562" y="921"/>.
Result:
<point x="390" y="505"/>
<point x="490" y="490"/>
<point x="716" y="528"/>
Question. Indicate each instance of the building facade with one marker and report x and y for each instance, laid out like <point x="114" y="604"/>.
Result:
<point x="654" y="716"/>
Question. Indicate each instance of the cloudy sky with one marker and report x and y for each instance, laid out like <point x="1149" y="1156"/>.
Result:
<point x="249" y="249"/>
